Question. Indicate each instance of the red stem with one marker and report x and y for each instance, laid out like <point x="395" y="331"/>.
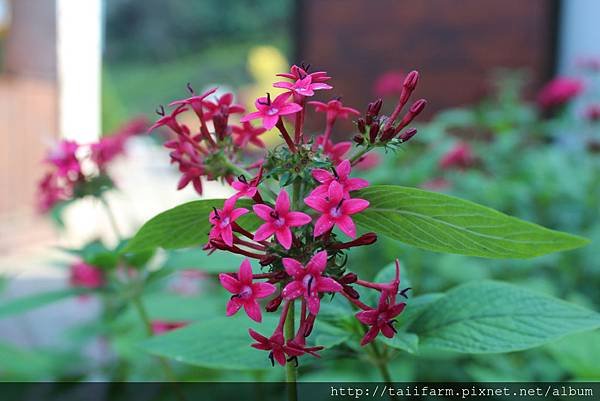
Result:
<point x="286" y="135"/>
<point x="356" y="302"/>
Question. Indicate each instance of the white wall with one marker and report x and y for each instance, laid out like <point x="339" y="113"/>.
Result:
<point x="580" y="32"/>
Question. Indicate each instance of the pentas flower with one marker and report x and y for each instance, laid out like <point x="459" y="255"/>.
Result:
<point x="162" y="326"/>
<point x="279" y="220"/>
<point x="270" y="111"/>
<point x="341" y="174"/>
<point x="276" y="344"/>
<point x="303" y="86"/>
<point x="223" y="105"/>
<point x="335" y="152"/>
<point x="335" y="210"/>
<point x="50" y="192"/>
<point x="196" y="102"/>
<point x="558" y="92"/>
<point x="222" y="219"/>
<point x="247" y="188"/>
<point x="245" y="291"/>
<point x="334" y="109"/>
<point x="86" y="276"/>
<point x="246" y="134"/>
<point x="301" y="72"/>
<point x="64" y="157"/>
<point x="381" y="319"/>
<point x="169" y="120"/>
<point x="309" y="281"/>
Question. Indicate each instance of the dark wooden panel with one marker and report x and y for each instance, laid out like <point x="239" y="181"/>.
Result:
<point x="454" y="44"/>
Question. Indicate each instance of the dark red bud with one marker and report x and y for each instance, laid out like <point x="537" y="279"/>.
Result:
<point x="368" y="119"/>
<point x="373" y="131"/>
<point x="406" y="135"/>
<point x="411" y="80"/>
<point x="366" y="239"/>
<point x="388" y="133"/>
<point x="358" y="139"/>
<point x="362" y="127"/>
<point x="377" y="106"/>
<point x="273" y="304"/>
<point x="348" y="278"/>
<point x="267" y="260"/>
<point x="418" y="106"/>
<point x="351" y="292"/>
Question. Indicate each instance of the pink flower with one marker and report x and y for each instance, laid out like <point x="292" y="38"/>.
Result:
<point x="51" y="192"/>
<point x="246" y="134"/>
<point x="335" y="152"/>
<point x="303" y="86"/>
<point x="223" y="105"/>
<point x="335" y="210"/>
<point x="275" y="344"/>
<point x="161" y="326"/>
<point x="64" y="158"/>
<point x="380" y="319"/>
<point x="86" y="276"/>
<point x="559" y="91"/>
<point x="341" y="174"/>
<point x="106" y="149"/>
<point x="270" y="111"/>
<point x="389" y="83"/>
<point x="245" y="292"/>
<point x="221" y="219"/>
<point x="302" y="71"/>
<point x="245" y="187"/>
<point x="279" y="221"/>
<point x="169" y="120"/>
<point x="334" y="109"/>
<point x="460" y="156"/>
<point x="195" y="101"/>
<point x="308" y="281"/>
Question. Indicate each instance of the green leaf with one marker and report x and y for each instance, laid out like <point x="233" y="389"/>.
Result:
<point x="220" y="343"/>
<point x="183" y="226"/>
<point x="443" y="223"/>
<point x="579" y="354"/>
<point x="196" y="258"/>
<point x="488" y="316"/>
<point x="404" y="341"/>
<point x="24" y="304"/>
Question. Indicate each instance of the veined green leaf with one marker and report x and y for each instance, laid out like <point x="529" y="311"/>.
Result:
<point x="183" y="226"/>
<point x="488" y="317"/>
<point x="443" y="223"/>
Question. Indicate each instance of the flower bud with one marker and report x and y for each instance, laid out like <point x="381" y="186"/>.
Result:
<point x="351" y="292"/>
<point x="418" y="107"/>
<point x="411" y="80"/>
<point x="358" y="139"/>
<point x="406" y="135"/>
<point x="267" y="260"/>
<point x="373" y="131"/>
<point x="273" y="304"/>
<point x="377" y="106"/>
<point x="360" y="123"/>
<point x="348" y="278"/>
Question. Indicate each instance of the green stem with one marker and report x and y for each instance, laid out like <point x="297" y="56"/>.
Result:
<point x="111" y="216"/>
<point x="381" y="362"/>
<point x="291" y="371"/>
<point x="360" y="154"/>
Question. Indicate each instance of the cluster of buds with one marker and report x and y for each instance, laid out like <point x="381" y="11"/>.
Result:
<point x="75" y="169"/>
<point x="376" y="130"/>
<point x="304" y="196"/>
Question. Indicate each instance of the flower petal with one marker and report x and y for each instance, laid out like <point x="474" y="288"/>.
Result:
<point x="387" y="331"/>
<point x="353" y="206"/>
<point x="263" y="211"/>
<point x="238" y="212"/>
<point x="368" y="317"/>
<point x="321" y="175"/>
<point x="293" y="267"/>
<point x="293" y="290"/>
<point x="253" y="311"/>
<point x="264" y="232"/>
<point x="327" y="284"/>
<point x="297" y="219"/>
<point x="282" y="204"/>
<point x="229" y="283"/>
<point x="257" y="336"/>
<point x="336" y="192"/>
<point x="352" y="184"/>
<point x="262" y="290"/>
<point x="369" y="335"/>
<point x="289" y="108"/>
<point x="314" y="304"/>
<point x="284" y="236"/>
<point x="346" y="225"/>
<point x="343" y="169"/>
<point x="318" y="203"/>
<point x="251" y="116"/>
<point x="322" y="225"/>
<point x="227" y="235"/>
<point x="317" y="263"/>
<point x="233" y="305"/>
<point x="245" y="272"/>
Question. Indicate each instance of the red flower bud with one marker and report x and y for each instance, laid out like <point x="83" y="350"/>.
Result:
<point x="267" y="260"/>
<point x="418" y="107"/>
<point x="360" y="123"/>
<point x="373" y="131"/>
<point x="406" y="135"/>
<point x="411" y="80"/>
<point x="273" y="304"/>
<point x="351" y="292"/>
<point x="348" y="278"/>
<point x="358" y="139"/>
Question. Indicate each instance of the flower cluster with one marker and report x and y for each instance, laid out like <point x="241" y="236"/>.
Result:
<point x="77" y="170"/>
<point x="558" y="92"/>
<point x="293" y="209"/>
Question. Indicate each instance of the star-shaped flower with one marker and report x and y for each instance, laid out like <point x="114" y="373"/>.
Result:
<point x="246" y="134"/>
<point x="221" y="219"/>
<point x="340" y="174"/>
<point x="270" y="110"/>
